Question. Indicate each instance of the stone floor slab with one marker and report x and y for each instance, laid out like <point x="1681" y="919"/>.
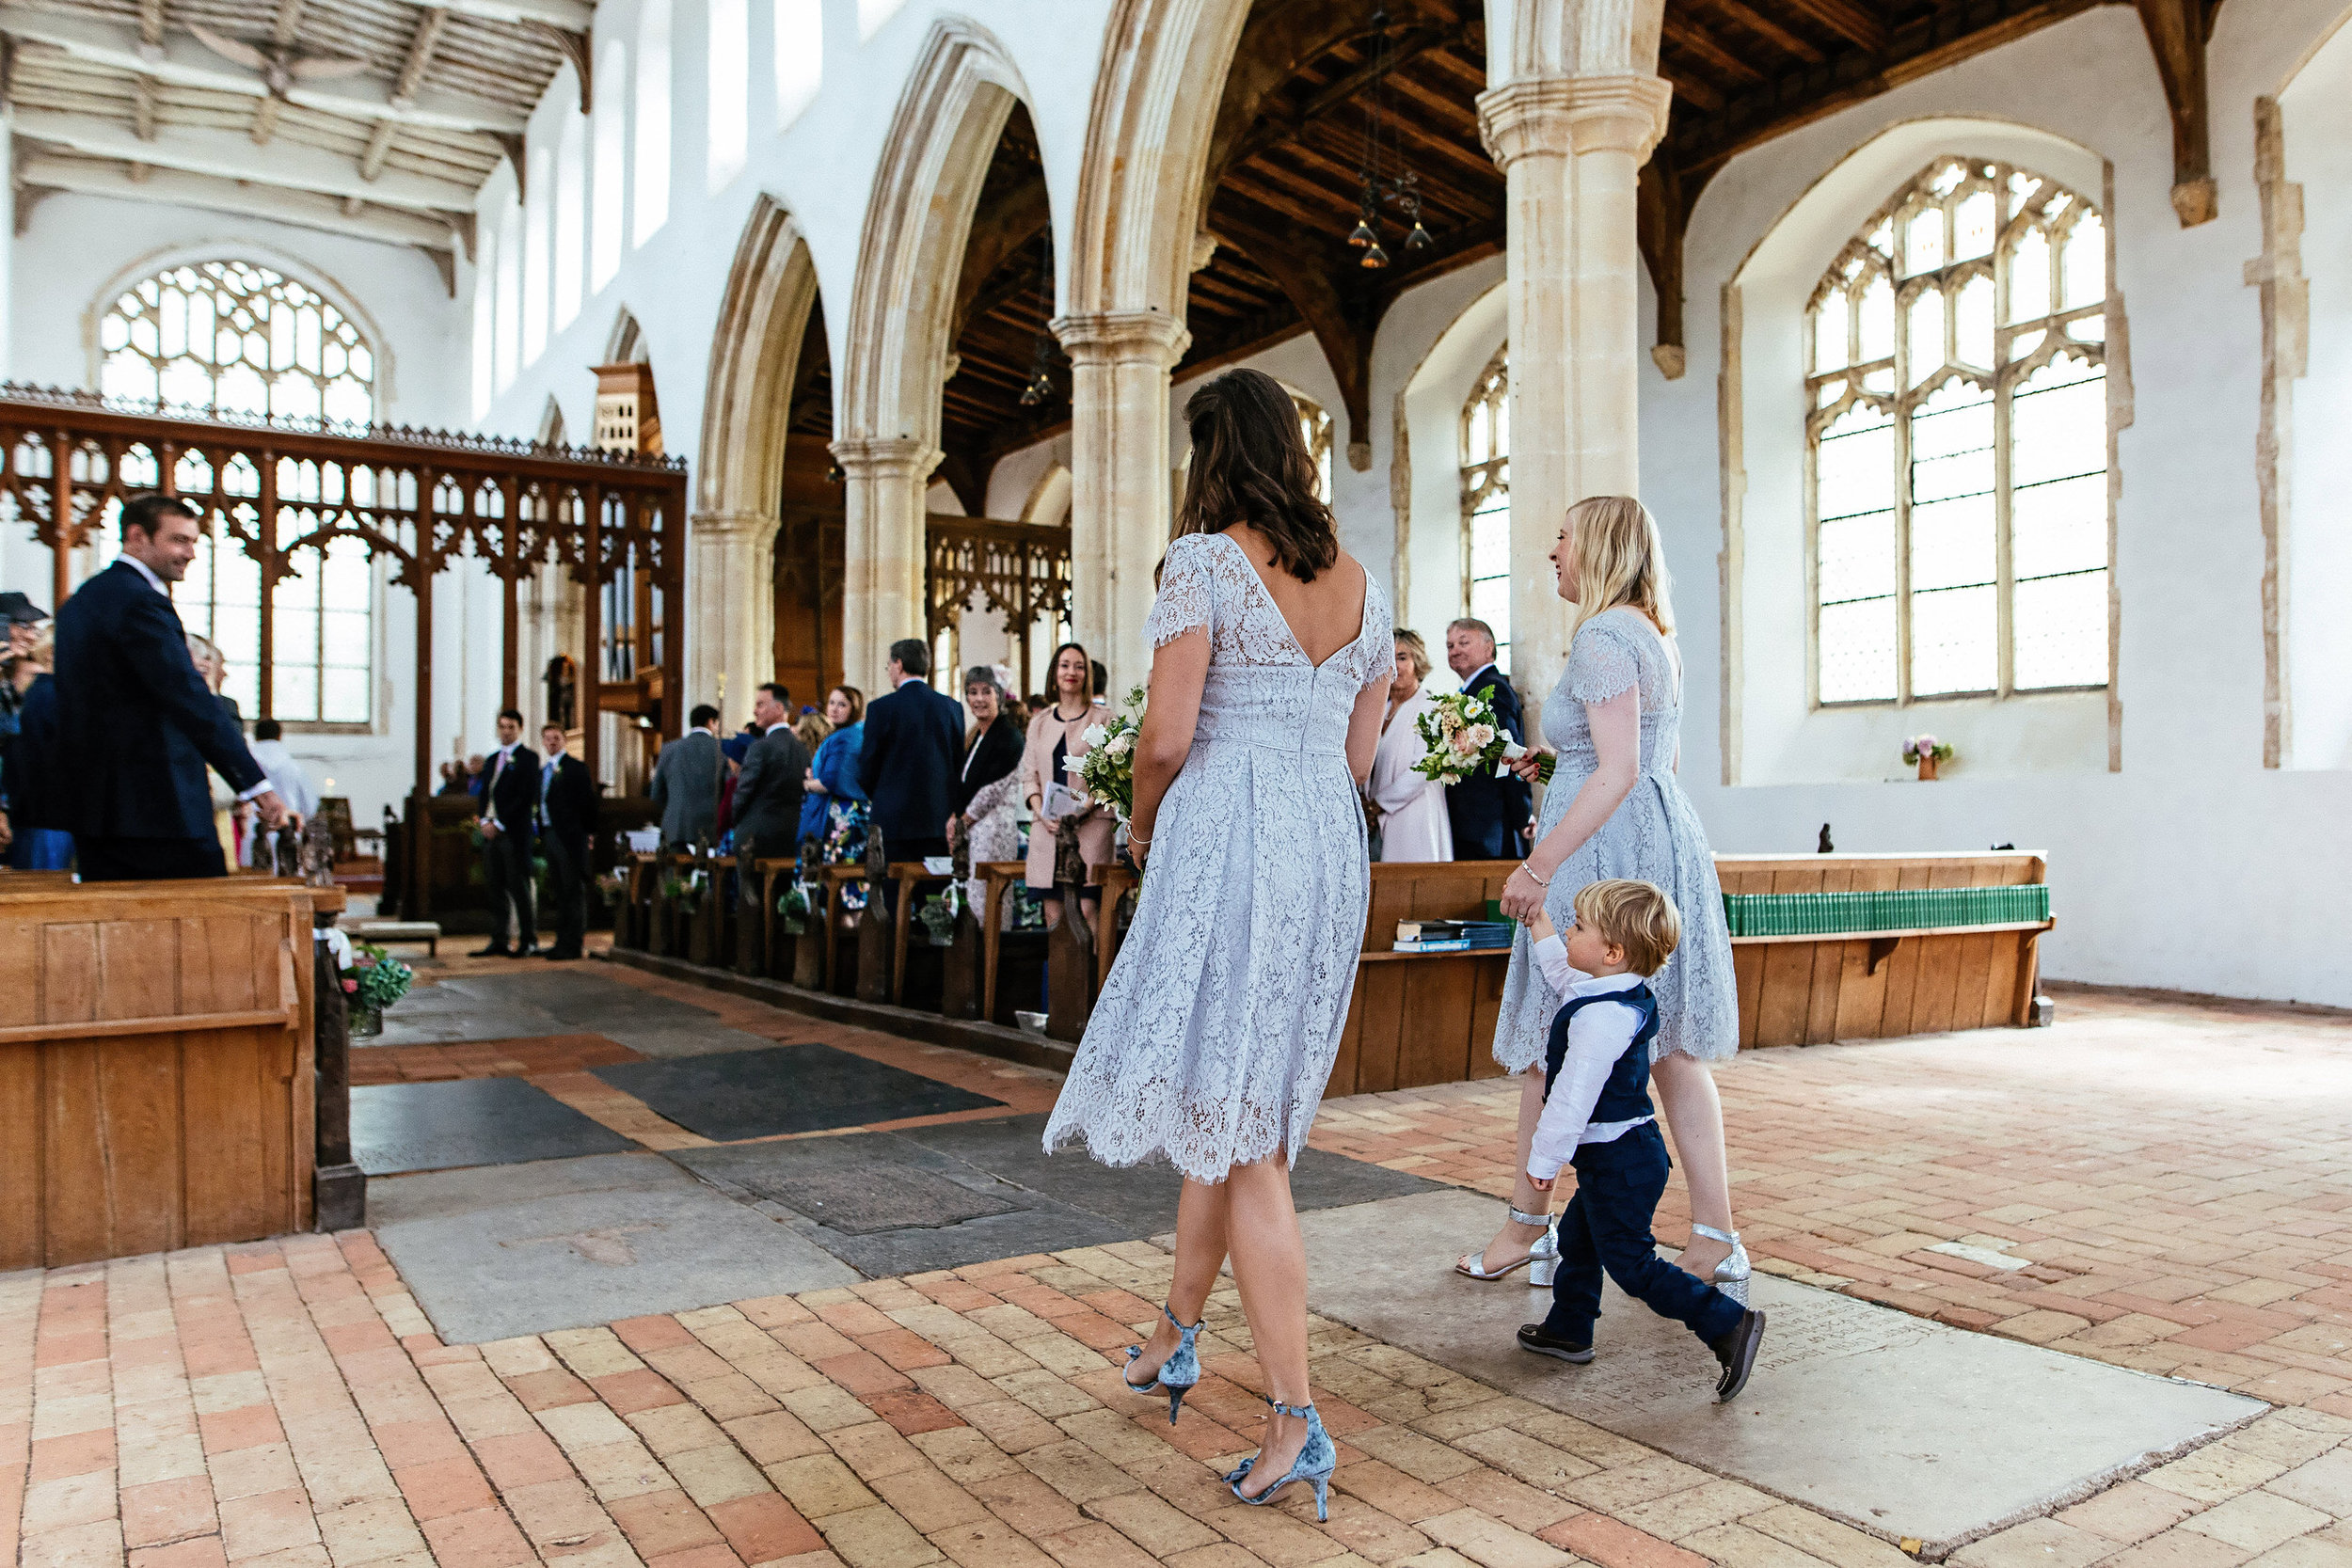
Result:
<point x="1894" y="1423"/>
<point x="785" y="1089"/>
<point x="470" y="1122"/>
<point x="524" y="1249"/>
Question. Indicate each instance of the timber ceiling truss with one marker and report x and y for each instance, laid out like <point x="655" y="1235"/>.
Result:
<point x="377" y="118"/>
<point x="1285" y="182"/>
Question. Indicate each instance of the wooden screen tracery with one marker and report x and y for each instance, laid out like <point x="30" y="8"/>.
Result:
<point x="1019" y="570"/>
<point x="415" y="500"/>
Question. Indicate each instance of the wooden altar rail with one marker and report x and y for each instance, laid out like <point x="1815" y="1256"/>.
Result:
<point x="414" y="498"/>
<point x="156" y="1048"/>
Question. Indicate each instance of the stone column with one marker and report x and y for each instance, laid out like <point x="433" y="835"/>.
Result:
<point x="1118" y="492"/>
<point x="731" y="574"/>
<point x="882" y="600"/>
<point x="1569" y="148"/>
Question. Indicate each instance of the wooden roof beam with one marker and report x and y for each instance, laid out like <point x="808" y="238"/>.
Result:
<point x="44" y="171"/>
<point x="1770" y="30"/>
<point x="228" y="157"/>
<point x="1344" y="329"/>
<point x="1694" y="38"/>
<point x="1846" y="19"/>
<point x="2177" y="31"/>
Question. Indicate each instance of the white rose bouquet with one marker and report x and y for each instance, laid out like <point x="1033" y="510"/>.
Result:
<point x="1105" y="772"/>
<point x="1463" y="736"/>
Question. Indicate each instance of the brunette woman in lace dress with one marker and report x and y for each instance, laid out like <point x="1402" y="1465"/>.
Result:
<point x="1218" y="1025"/>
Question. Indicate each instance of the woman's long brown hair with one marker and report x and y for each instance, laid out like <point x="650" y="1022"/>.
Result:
<point x="1249" y="465"/>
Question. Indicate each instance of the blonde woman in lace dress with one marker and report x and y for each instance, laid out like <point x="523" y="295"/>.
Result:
<point x="1614" y="809"/>
<point x="1216" y="1028"/>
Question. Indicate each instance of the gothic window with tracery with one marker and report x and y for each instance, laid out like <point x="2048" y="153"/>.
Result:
<point x="1957" y="443"/>
<point x="1487" y="503"/>
<point x="236" y="336"/>
<point x="1314" y="428"/>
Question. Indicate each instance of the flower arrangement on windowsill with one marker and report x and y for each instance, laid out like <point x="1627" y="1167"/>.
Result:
<point x="1926" y="752"/>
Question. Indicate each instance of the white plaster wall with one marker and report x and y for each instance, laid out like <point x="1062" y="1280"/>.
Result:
<point x="2193" y="832"/>
<point x="2315" y="124"/>
<point x="65" y="269"/>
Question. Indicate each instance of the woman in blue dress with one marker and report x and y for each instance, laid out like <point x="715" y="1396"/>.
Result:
<point x="1614" y="809"/>
<point x="833" y="807"/>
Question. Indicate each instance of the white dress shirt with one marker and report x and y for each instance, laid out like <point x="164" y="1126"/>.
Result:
<point x="1597" y="1037"/>
<point x="148" y="572"/>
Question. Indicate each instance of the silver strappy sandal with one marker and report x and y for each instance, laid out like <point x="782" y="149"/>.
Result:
<point x="1544" y="1252"/>
<point x="1732" y="1273"/>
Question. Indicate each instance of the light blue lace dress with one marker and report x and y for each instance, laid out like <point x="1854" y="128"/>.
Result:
<point x="1216" y="1027"/>
<point x="1653" y="836"/>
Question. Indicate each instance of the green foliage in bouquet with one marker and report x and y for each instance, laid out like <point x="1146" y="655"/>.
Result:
<point x="1107" y="770"/>
<point x="1463" y="738"/>
<point x="375" y="979"/>
<point x="792" y="904"/>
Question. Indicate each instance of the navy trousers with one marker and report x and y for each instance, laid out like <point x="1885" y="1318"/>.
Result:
<point x="1606" y="1227"/>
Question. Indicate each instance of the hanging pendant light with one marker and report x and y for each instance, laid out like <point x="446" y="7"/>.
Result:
<point x="1365" y="233"/>
<point x="1040" y="387"/>
<point x="1374" y="258"/>
<point x="1402" y="188"/>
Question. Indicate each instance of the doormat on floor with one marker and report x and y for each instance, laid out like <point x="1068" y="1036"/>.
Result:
<point x="785" y="1089"/>
<point x="467" y="1121"/>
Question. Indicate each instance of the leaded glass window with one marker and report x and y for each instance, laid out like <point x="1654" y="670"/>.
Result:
<point x="1487" y="503"/>
<point x="1957" y="443"/>
<point x="236" y="336"/>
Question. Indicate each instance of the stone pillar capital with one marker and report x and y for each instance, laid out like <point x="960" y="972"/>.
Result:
<point x="730" y="525"/>
<point x="1123" y="338"/>
<point x="1557" y="116"/>
<point x="885" y="457"/>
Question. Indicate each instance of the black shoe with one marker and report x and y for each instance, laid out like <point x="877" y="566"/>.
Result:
<point x="1736" y="1350"/>
<point x="1532" y="1338"/>
<point x="496" y="950"/>
<point x="530" y="952"/>
<point x="558" y="955"/>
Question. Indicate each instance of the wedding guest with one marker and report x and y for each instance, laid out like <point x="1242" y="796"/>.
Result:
<point x="1058" y="734"/>
<point x="1413" y="821"/>
<point x="510" y="805"/>
<point x="30" y="778"/>
<point x="273" y="849"/>
<point x="567" y="820"/>
<point x="988" y="795"/>
<point x="685" y="780"/>
<point x="455" y="779"/>
<point x="136" y="718"/>
<point x="911" y="757"/>
<point x="767" y="795"/>
<point x="1488" y="815"/>
<point x="835" y="804"/>
<point x="214" y="667"/>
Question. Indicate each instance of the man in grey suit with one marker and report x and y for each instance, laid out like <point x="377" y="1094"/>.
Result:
<point x="767" y="807"/>
<point x="686" y="779"/>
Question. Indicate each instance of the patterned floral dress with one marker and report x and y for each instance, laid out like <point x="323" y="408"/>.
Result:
<point x="1216" y="1028"/>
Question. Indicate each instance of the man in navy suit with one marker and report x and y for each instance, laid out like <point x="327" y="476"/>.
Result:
<point x="510" y="805"/>
<point x="1490" y="815"/>
<point x="913" y="754"/>
<point x="566" y="820"/>
<point x="137" y="720"/>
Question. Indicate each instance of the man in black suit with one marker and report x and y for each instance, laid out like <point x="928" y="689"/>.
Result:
<point x="913" y="754"/>
<point x="135" y="719"/>
<point x="510" y="802"/>
<point x="1488" y="814"/>
<point x="568" y="817"/>
<point x="768" y="791"/>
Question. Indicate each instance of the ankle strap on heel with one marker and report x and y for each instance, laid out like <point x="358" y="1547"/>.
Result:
<point x="1301" y="1412"/>
<point x="1729" y="1238"/>
<point x="1187" y="1331"/>
<point x="1517" y="1218"/>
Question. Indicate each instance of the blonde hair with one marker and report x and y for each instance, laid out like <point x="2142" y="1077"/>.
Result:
<point x="1620" y="559"/>
<point x="1636" y="917"/>
<point x="1410" y="642"/>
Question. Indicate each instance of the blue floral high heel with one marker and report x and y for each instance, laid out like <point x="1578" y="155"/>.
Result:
<point x="1314" y="1463"/>
<point x="1179" y="1374"/>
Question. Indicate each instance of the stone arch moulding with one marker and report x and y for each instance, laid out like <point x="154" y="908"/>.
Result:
<point x="626" y="344"/>
<point x="895" y="355"/>
<point x="739" y="469"/>
<point x="300" y="269"/>
<point x="1049" y="498"/>
<point x="1769" y="732"/>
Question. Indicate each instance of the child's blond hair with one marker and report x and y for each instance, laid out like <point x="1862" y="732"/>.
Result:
<point x="1636" y="917"/>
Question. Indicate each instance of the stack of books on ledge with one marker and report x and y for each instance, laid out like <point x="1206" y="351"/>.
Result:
<point x="1453" y="936"/>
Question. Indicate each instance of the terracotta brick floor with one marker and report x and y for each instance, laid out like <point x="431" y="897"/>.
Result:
<point x="2172" y="1179"/>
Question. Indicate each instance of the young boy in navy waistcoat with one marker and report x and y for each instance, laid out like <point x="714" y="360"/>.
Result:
<point x="1598" y="1117"/>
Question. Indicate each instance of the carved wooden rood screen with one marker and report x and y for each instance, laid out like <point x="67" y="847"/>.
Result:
<point x="1019" y="570"/>
<point x="416" y="499"/>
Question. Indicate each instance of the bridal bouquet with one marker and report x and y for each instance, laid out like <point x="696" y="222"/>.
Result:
<point x="1460" y="731"/>
<point x="1106" y="772"/>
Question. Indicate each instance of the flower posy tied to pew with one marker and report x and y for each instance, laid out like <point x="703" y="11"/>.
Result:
<point x="1463" y="736"/>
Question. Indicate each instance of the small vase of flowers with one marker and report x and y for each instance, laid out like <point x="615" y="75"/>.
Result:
<point x="373" y="981"/>
<point x="1926" y="752"/>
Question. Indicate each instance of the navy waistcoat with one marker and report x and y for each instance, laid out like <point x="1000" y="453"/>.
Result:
<point x="1626" y="1096"/>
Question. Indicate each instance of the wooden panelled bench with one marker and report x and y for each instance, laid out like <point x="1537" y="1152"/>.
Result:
<point x="1895" y="977"/>
<point x="156" y="1067"/>
<point x="1423" y="1017"/>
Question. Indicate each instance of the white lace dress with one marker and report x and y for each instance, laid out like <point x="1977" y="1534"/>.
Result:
<point x="1216" y="1029"/>
<point x="1653" y="836"/>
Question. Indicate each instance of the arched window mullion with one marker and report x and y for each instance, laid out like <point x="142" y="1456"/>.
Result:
<point x="1486" y="471"/>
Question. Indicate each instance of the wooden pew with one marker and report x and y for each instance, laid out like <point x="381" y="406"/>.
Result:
<point x="1423" y="1017"/>
<point x="1893" y="980"/>
<point x="156" y="1067"/>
